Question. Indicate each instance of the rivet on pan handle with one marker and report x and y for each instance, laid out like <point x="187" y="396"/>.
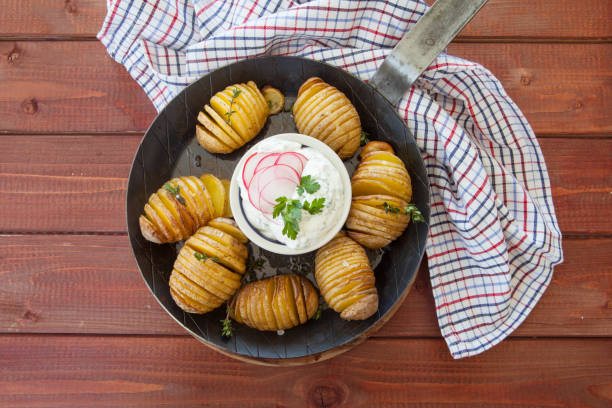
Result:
<point x="421" y="45"/>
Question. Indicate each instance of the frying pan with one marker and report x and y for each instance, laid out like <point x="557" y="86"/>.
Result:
<point x="169" y="149"/>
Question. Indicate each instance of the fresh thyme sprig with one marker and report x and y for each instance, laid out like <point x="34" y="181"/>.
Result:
<point x="202" y="257"/>
<point x="226" y="324"/>
<point x="364" y="138"/>
<point x="410" y="209"/>
<point x="414" y="213"/>
<point x="235" y="93"/>
<point x="317" y="315"/>
<point x="389" y="208"/>
<point x="253" y="265"/>
<point x="175" y="191"/>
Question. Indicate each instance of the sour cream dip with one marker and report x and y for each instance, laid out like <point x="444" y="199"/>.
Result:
<point x="256" y="185"/>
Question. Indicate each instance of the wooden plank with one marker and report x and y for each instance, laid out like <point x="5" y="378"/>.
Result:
<point x="540" y="19"/>
<point x="90" y="284"/>
<point x="65" y="183"/>
<point x="561" y="19"/>
<point x="49" y="371"/>
<point x="68" y="86"/>
<point x="77" y="183"/>
<point x="561" y="88"/>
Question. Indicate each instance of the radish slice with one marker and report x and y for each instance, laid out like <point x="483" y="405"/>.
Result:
<point x="266" y="178"/>
<point x="248" y="170"/>
<point x="266" y="161"/>
<point x="270" y="192"/>
<point x="292" y="159"/>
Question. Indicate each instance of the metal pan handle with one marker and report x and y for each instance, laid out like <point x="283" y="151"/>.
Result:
<point x="421" y="45"/>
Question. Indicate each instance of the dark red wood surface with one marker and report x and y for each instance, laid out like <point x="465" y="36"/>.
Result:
<point x="78" y="327"/>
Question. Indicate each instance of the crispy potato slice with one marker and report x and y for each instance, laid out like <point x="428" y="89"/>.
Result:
<point x="220" y="121"/>
<point x="227" y="209"/>
<point x="383" y="156"/>
<point x="209" y="142"/>
<point x="371" y="184"/>
<point x="237" y="120"/>
<point x="242" y="110"/>
<point x="149" y="231"/>
<point x="157" y="222"/>
<point x="213" y="249"/>
<point x="309" y="82"/>
<point x="375" y="146"/>
<point x="229" y="226"/>
<point x="303" y="101"/>
<point x="274" y="98"/>
<point x="260" y="98"/>
<point x="184" y="304"/>
<point x="225" y="239"/>
<point x="193" y="195"/>
<point x="218" y="132"/>
<point x="377" y="201"/>
<point x="250" y="103"/>
<point x="183" y="219"/>
<point x="215" y="188"/>
<point x="313" y="105"/>
<point x="166" y="217"/>
<point x="199" y="191"/>
<point x="343" y="284"/>
<point x="321" y="109"/>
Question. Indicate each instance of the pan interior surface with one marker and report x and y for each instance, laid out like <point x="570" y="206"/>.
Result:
<point x="170" y="149"/>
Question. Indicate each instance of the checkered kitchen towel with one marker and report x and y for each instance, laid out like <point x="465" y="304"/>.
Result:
<point x="494" y="238"/>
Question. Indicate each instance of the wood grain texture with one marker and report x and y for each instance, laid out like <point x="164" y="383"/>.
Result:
<point x="130" y="371"/>
<point x="90" y="284"/>
<point x="77" y="183"/>
<point x="68" y="86"/>
<point x="561" y="88"/>
<point x="51" y="18"/>
<point x="499" y="18"/>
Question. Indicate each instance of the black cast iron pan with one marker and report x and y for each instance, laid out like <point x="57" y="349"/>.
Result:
<point x="169" y="149"/>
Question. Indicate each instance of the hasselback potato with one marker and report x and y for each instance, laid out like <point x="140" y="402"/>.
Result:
<point x="181" y="206"/>
<point x="209" y="267"/>
<point x="277" y="303"/>
<point x="234" y="116"/>
<point x="382" y="191"/>
<point x="345" y="278"/>
<point x="325" y="113"/>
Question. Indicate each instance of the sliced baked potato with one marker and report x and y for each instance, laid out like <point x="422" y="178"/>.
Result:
<point x="277" y="303"/>
<point x="325" y="113"/>
<point x="345" y="278"/>
<point x="208" y="269"/>
<point x="233" y="116"/>
<point x="176" y="210"/>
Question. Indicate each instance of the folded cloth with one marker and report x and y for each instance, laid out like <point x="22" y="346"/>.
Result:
<point x="494" y="238"/>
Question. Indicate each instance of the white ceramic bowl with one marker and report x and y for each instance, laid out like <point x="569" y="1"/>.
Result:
<point x="273" y="246"/>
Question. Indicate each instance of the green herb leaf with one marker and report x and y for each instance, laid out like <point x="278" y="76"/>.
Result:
<point x="414" y="213"/>
<point x="289" y="108"/>
<point x="316" y="206"/>
<point x="364" y="138"/>
<point x="278" y="208"/>
<point x="226" y="328"/>
<point x="390" y="208"/>
<point x="171" y="189"/>
<point x="235" y="93"/>
<point x="203" y="257"/>
<point x="308" y="184"/>
<point x="253" y="265"/>
<point x="317" y="315"/>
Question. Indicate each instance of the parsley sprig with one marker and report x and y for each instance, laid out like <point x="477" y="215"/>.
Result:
<point x="411" y="210"/>
<point x="235" y="93"/>
<point x="308" y="184"/>
<point x="291" y="212"/>
<point x="202" y="257"/>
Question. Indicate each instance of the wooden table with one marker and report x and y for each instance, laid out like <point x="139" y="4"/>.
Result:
<point x="79" y="327"/>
